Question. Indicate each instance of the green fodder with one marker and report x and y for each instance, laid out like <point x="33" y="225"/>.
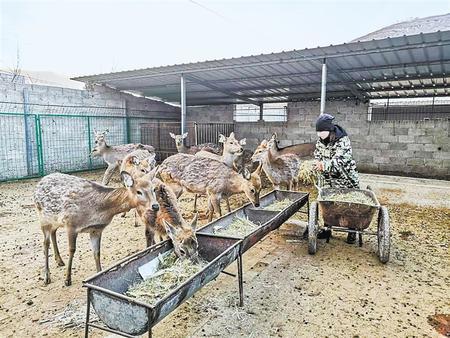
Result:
<point x="240" y="227"/>
<point x="171" y="273"/>
<point x="350" y="197"/>
<point x="307" y="173"/>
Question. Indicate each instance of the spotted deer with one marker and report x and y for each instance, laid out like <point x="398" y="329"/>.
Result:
<point x="112" y="155"/>
<point x="83" y="206"/>
<point x="210" y="177"/>
<point x="281" y="170"/>
<point x="193" y="149"/>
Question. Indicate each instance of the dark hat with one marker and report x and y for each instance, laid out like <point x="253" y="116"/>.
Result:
<point x="325" y="123"/>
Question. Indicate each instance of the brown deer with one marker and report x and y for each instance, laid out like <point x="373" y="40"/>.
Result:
<point x="83" y="206"/>
<point x="193" y="149"/>
<point x="167" y="222"/>
<point x="112" y="155"/>
<point x="303" y="150"/>
<point x="281" y="170"/>
<point x="207" y="176"/>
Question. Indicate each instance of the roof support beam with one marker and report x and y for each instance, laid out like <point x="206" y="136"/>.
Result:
<point x="183" y="104"/>
<point x="323" y="87"/>
<point x="220" y="90"/>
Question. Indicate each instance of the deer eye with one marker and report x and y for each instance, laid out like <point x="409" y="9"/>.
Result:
<point x="253" y="191"/>
<point x="139" y="193"/>
<point x="182" y="252"/>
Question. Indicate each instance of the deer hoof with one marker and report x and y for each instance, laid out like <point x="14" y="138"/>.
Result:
<point x="68" y="282"/>
<point x="60" y="262"/>
<point x="47" y="280"/>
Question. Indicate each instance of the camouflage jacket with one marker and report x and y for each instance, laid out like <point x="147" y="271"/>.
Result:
<point x="339" y="166"/>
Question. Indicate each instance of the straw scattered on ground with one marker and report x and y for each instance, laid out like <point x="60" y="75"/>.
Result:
<point x="171" y="273"/>
<point x="350" y="197"/>
<point x="240" y="227"/>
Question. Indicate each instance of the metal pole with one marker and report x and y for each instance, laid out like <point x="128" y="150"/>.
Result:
<point x="183" y="105"/>
<point x="261" y="112"/>
<point x="323" y="91"/>
<point x="240" y="281"/>
<point x="88" y="313"/>
<point x="127" y="121"/>
<point x="26" y="112"/>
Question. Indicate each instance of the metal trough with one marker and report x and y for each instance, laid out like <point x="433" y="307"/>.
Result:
<point x="127" y="316"/>
<point x="269" y="220"/>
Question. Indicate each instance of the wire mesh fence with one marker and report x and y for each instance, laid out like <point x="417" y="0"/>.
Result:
<point x="34" y="144"/>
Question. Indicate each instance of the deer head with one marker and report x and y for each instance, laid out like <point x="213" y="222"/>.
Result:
<point x="231" y="145"/>
<point x="99" y="141"/>
<point x="252" y="185"/>
<point x="141" y="192"/>
<point x="137" y="167"/>
<point x="178" y="138"/>
<point x="260" y="152"/>
<point x="183" y="238"/>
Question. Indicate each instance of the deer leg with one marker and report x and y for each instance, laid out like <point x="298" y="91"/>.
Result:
<point x="96" y="237"/>
<point x="150" y="236"/>
<point x="58" y="258"/>
<point x="195" y="203"/>
<point x="136" y="223"/>
<point x="108" y="173"/>
<point x="210" y="209"/>
<point x="216" y="205"/>
<point x="46" y="247"/>
<point x="72" y="235"/>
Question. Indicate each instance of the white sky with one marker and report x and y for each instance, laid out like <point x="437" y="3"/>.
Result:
<point x="81" y="37"/>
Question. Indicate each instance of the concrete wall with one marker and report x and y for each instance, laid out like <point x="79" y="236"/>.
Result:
<point x="411" y="148"/>
<point x="215" y="114"/>
<point x="65" y="140"/>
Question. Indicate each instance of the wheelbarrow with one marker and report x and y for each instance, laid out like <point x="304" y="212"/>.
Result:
<point x="349" y="217"/>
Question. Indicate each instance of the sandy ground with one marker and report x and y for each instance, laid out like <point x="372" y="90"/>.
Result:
<point x="342" y="291"/>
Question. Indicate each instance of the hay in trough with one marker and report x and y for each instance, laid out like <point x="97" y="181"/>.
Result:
<point x="350" y="197"/>
<point x="240" y="227"/>
<point x="307" y="173"/>
<point x="171" y="273"/>
<point x="279" y="205"/>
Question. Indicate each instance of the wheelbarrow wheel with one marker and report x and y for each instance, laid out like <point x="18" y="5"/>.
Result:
<point x="384" y="235"/>
<point x="313" y="226"/>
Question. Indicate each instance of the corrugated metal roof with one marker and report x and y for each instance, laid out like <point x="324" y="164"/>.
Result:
<point x="406" y="66"/>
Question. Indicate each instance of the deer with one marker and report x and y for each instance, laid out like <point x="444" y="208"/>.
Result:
<point x="112" y="155"/>
<point x="232" y="150"/>
<point x="281" y="170"/>
<point x="83" y="206"/>
<point x="303" y="150"/>
<point x="168" y="222"/>
<point x="140" y="160"/>
<point x="193" y="149"/>
<point x="201" y="175"/>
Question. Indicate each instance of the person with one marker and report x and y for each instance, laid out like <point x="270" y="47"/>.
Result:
<point x="334" y="161"/>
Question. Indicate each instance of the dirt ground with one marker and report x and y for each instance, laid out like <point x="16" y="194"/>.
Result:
<point x="342" y="291"/>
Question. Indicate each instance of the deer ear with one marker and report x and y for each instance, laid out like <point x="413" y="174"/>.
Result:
<point x="184" y="135"/>
<point x="222" y="138"/>
<point x="264" y="143"/>
<point x="243" y="142"/>
<point x="153" y="172"/>
<point x="170" y="230"/>
<point x="172" y="135"/>
<point x="194" y="222"/>
<point x="127" y="179"/>
<point x="232" y="134"/>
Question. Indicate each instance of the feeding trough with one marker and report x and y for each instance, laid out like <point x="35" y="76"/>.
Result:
<point x="127" y="316"/>
<point x="265" y="220"/>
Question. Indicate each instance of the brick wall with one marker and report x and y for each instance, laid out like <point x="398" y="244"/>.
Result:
<point x="412" y="148"/>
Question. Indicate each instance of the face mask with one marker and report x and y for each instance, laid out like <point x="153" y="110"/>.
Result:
<point x="323" y="134"/>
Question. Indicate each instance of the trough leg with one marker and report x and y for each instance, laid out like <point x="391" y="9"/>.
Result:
<point x="195" y="202"/>
<point x="149" y="327"/>
<point x="360" y="239"/>
<point x="241" y="281"/>
<point x="88" y="312"/>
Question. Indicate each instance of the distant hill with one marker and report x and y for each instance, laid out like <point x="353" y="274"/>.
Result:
<point x="414" y="26"/>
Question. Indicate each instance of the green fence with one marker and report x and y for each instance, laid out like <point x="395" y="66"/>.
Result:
<point x="35" y="144"/>
<point x="36" y="140"/>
